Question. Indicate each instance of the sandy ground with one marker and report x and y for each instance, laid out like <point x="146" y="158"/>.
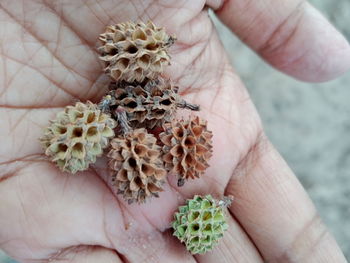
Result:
<point x="308" y="123"/>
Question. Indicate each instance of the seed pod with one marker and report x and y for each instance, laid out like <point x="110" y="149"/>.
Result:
<point x="136" y="168"/>
<point x="187" y="147"/>
<point x="147" y="105"/>
<point x="77" y="136"/>
<point x="133" y="52"/>
<point x="200" y="224"/>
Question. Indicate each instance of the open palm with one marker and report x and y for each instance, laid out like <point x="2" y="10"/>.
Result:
<point x="49" y="60"/>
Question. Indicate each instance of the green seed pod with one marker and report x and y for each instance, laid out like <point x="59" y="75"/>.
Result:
<point x="200" y="223"/>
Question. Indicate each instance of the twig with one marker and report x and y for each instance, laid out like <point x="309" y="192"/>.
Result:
<point x="186" y="105"/>
<point x="122" y="119"/>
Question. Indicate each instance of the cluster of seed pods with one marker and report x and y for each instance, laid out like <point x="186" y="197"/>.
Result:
<point x="135" y="125"/>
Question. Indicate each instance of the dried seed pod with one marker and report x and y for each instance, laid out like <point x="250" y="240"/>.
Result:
<point x="136" y="168"/>
<point x="200" y="223"/>
<point x="133" y="52"/>
<point x="149" y="104"/>
<point x="77" y="136"/>
<point x="187" y="147"/>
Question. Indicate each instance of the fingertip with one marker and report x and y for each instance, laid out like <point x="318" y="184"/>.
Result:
<point x="314" y="52"/>
<point x="329" y="68"/>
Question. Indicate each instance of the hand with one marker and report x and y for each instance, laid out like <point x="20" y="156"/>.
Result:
<point x="49" y="60"/>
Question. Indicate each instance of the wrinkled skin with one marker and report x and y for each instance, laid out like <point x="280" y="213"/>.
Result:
<point x="49" y="60"/>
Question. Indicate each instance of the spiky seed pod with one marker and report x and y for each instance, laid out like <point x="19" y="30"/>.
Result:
<point x="187" y="147"/>
<point x="136" y="168"/>
<point x="77" y="136"/>
<point x="147" y="104"/>
<point x="200" y="224"/>
<point x="133" y="52"/>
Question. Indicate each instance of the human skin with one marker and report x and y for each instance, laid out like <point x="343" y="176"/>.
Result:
<point x="49" y="60"/>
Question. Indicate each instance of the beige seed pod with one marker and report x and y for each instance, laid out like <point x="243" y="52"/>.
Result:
<point x="77" y="136"/>
<point x="187" y="148"/>
<point x="136" y="167"/>
<point x="135" y="51"/>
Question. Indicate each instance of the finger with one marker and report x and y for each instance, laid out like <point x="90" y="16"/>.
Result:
<point x="291" y="35"/>
<point x="86" y="254"/>
<point x="43" y="210"/>
<point x="276" y="212"/>
<point x="235" y="247"/>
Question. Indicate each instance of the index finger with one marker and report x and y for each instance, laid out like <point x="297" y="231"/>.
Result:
<point x="291" y="35"/>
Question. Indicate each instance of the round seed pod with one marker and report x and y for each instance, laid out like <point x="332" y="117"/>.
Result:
<point x="77" y="136"/>
<point x="133" y="52"/>
<point x="187" y="147"/>
<point x="147" y="105"/>
<point x="200" y="224"/>
<point x="136" y="168"/>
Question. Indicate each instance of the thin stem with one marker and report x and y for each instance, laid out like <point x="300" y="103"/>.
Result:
<point x="180" y="182"/>
<point x="186" y="105"/>
<point x="122" y="120"/>
<point x="226" y="201"/>
<point x="105" y="104"/>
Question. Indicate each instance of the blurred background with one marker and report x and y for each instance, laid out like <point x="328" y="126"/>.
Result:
<point x="308" y="123"/>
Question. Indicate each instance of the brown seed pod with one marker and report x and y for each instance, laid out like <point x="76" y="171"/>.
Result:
<point x="147" y="105"/>
<point x="133" y="52"/>
<point x="136" y="167"/>
<point x="77" y="136"/>
<point x="187" y="148"/>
